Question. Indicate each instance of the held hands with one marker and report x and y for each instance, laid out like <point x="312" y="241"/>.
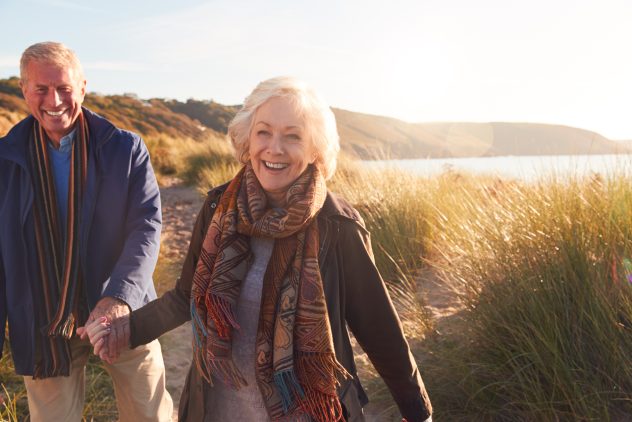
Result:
<point x="108" y="328"/>
<point x="97" y="331"/>
<point x="108" y="338"/>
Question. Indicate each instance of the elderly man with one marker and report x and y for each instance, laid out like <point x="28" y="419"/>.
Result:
<point x="79" y="235"/>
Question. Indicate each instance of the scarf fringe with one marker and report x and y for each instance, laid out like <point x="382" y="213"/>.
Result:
<point x="288" y="385"/>
<point x="223" y="369"/>
<point x="199" y="330"/>
<point x="40" y="372"/>
<point x="208" y="366"/>
<point x="223" y="315"/>
<point x="322" y="372"/>
<point x="321" y="368"/>
<point x="322" y="407"/>
<point x="65" y="329"/>
<point x="199" y="340"/>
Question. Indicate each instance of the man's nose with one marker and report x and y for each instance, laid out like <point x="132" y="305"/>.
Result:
<point x="53" y="99"/>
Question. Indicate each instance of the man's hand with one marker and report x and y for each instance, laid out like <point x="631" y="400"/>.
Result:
<point x="109" y="307"/>
<point x="114" y="310"/>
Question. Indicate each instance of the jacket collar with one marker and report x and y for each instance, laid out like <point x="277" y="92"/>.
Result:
<point x="13" y="145"/>
<point x="336" y="206"/>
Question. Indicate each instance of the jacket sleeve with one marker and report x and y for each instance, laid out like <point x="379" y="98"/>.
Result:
<point x="132" y="274"/>
<point x="375" y="324"/>
<point x="172" y="309"/>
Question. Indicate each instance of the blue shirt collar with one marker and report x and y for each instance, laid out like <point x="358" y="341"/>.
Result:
<point x="65" y="143"/>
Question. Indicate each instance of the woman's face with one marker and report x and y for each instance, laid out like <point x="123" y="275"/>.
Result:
<point x="279" y="148"/>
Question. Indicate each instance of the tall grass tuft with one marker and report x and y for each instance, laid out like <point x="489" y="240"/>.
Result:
<point x="393" y="208"/>
<point x="13" y="404"/>
<point x="549" y="301"/>
<point x="202" y="163"/>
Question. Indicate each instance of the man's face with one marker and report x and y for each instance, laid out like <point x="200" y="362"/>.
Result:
<point x="54" y="96"/>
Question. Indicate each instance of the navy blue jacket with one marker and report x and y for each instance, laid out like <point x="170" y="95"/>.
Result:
<point x="119" y="228"/>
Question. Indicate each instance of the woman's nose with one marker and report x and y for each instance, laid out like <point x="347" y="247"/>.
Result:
<point x="276" y="144"/>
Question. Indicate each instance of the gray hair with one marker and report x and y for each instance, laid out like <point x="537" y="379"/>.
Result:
<point x="320" y="122"/>
<point x="52" y="53"/>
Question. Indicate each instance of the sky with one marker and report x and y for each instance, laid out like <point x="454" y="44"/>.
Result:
<point x="563" y="62"/>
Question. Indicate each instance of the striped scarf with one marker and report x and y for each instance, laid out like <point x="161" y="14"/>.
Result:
<point x="57" y="253"/>
<point x="296" y="367"/>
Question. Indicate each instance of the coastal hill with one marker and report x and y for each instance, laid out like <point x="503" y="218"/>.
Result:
<point x="367" y="135"/>
<point x="362" y="135"/>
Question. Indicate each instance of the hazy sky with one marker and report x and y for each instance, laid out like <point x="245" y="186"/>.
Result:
<point x="551" y="61"/>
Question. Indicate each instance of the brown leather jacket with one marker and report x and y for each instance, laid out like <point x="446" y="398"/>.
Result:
<point x="356" y="296"/>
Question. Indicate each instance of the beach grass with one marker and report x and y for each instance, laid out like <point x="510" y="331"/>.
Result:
<point x="542" y="270"/>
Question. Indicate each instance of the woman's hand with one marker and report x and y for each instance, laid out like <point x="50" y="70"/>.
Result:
<point x="97" y="331"/>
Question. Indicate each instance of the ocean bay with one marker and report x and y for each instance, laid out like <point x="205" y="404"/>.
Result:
<point x="529" y="168"/>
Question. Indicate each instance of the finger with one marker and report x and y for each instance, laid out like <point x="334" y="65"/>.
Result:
<point x="112" y="340"/>
<point x="101" y="350"/>
<point x="96" y="327"/>
<point x="97" y="335"/>
<point x="120" y="341"/>
<point x="100" y="346"/>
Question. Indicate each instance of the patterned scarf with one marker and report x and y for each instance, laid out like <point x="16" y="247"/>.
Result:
<point x="57" y="254"/>
<point x="296" y="365"/>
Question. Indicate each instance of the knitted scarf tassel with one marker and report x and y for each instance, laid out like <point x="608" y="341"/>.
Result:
<point x="311" y="395"/>
<point x="222" y="315"/>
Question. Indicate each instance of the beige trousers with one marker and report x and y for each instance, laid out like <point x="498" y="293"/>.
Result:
<point x="138" y="377"/>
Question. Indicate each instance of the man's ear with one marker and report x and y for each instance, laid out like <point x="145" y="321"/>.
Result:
<point x="84" y="83"/>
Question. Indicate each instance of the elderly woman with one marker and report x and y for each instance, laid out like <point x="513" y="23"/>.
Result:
<point x="276" y="269"/>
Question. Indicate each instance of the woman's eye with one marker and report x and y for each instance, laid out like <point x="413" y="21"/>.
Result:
<point x="263" y="133"/>
<point x="293" y="137"/>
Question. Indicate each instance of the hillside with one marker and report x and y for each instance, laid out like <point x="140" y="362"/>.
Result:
<point x="151" y="118"/>
<point x="362" y="135"/>
<point x="367" y="135"/>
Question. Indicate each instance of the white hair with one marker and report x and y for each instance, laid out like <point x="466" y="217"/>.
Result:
<point x="319" y="120"/>
<point x="50" y="52"/>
